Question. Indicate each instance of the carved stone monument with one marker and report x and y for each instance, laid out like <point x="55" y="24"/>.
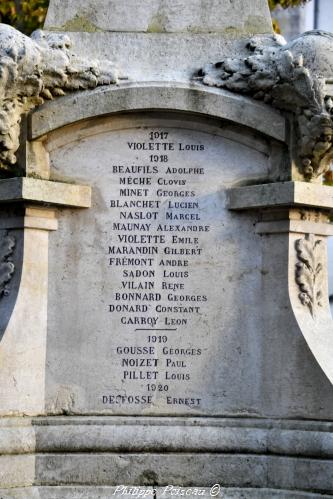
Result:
<point x="165" y="325"/>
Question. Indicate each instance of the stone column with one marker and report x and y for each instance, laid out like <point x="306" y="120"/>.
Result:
<point x="27" y="218"/>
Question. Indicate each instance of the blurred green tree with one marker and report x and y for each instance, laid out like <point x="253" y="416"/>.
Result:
<point x="25" y="15"/>
<point x="285" y="3"/>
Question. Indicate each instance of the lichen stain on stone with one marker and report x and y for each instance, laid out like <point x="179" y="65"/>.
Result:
<point x="232" y="31"/>
<point x="65" y="401"/>
<point x="157" y="24"/>
<point x="252" y="25"/>
<point x="255" y="25"/>
<point x="80" y="23"/>
<point x="148" y="477"/>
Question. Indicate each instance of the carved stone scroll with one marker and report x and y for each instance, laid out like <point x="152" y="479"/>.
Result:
<point x="309" y="272"/>
<point x="36" y="69"/>
<point x="292" y="78"/>
<point x="7" y="267"/>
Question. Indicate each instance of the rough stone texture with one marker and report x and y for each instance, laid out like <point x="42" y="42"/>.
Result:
<point x="109" y="492"/>
<point x="72" y="493"/>
<point x="309" y="475"/>
<point x="152" y="16"/>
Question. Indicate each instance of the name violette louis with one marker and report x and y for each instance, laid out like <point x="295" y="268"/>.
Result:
<point x="164" y="146"/>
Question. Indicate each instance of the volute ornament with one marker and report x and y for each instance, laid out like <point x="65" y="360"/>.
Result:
<point x="7" y="267"/>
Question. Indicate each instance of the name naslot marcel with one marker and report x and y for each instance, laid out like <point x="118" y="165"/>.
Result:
<point x="153" y="215"/>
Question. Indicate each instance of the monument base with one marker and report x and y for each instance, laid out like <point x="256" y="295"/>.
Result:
<point x="108" y="492"/>
<point x="89" y="457"/>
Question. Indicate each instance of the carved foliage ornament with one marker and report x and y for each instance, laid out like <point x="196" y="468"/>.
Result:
<point x="309" y="272"/>
<point x="291" y="77"/>
<point x="36" y="69"/>
<point x="7" y="267"/>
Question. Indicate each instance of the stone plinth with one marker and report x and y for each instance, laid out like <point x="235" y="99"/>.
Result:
<point x="163" y="297"/>
<point x="227" y="18"/>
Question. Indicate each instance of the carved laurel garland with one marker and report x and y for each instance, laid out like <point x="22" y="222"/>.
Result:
<point x="7" y="267"/>
<point x="36" y="69"/>
<point x="309" y="272"/>
<point x="291" y="77"/>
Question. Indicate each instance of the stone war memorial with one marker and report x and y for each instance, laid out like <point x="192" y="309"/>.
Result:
<point x="165" y="322"/>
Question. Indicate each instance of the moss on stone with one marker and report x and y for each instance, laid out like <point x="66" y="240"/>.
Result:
<point x="255" y="24"/>
<point x="81" y="23"/>
<point x="157" y="24"/>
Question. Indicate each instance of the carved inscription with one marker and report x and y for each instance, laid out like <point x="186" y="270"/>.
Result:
<point x="155" y="248"/>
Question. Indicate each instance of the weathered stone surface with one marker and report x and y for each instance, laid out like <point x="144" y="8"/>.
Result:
<point x="37" y="69"/>
<point x="233" y="18"/>
<point x="41" y="191"/>
<point x="146" y="469"/>
<point x="70" y="492"/>
<point x="178" y="435"/>
<point x="188" y="98"/>
<point x="177" y="330"/>
<point x="185" y="188"/>
<point x="108" y="492"/>
<point x="281" y="194"/>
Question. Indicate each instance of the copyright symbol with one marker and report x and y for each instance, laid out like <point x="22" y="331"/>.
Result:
<point x="215" y="490"/>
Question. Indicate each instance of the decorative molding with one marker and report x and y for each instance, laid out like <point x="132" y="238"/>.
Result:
<point x="309" y="272"/>
<point x="291" y="77"/>
<point x="36" y="69"/>
<point x="7" y="267"/>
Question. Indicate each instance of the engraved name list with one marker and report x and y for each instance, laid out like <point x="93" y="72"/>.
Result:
<point x="154" y="254"/>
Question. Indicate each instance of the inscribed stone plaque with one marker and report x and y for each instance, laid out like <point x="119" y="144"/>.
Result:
<point x="154" y="326"/>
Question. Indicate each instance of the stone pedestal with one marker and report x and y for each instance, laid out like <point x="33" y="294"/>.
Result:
<point x="165" y="318"/>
